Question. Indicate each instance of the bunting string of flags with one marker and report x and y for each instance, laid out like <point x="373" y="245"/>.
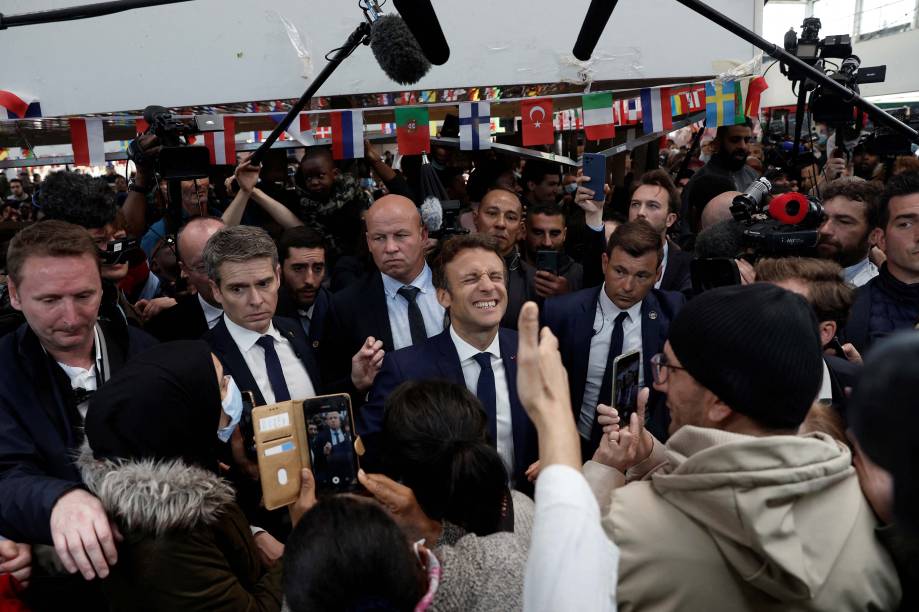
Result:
<point x="599" y="114"/>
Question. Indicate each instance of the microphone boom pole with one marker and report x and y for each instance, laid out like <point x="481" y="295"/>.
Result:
<point x="779" y="53"/>
<point x="79" y="12"/>
<point x="361" y="35"/>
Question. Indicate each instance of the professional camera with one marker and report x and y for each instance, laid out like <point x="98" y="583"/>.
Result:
<point x="887" y="143"/>
<point x="786" y="225"/>
<point x="177" y="159"/>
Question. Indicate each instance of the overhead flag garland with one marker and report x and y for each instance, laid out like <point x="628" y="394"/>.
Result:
<point x="598" y="115"/>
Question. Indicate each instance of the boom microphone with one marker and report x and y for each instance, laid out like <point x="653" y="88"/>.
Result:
<point x="432" y="213"/>
<point x="397" y="51"/>
<point x="421" y="21"/>
<point x="724" y="239"/>
<point x="598" y="14"/>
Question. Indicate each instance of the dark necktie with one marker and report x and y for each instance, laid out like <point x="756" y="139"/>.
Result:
<point x="273" y="366"/>
<point x="606" y="386"/>
<point x="485" y="391"/>
<point x="415" y="320"/>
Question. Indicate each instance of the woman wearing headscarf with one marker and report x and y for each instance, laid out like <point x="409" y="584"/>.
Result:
<point x="152" y="435"/>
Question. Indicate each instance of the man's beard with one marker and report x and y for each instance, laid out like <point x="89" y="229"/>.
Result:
<point x="734" y="162"/>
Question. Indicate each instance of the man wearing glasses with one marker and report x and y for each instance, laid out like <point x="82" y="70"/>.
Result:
<point x="737" y="511"/>
<point x="596" y="325"/>
<point x="197" y="312"/>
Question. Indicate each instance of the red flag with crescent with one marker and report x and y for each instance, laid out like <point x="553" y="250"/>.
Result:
<point x="537" y="122"/>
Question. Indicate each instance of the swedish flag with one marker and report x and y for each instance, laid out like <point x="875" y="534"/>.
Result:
<point x="721" y="103"/>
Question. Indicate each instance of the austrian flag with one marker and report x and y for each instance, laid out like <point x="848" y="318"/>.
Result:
<point x="88" y="142"/>
<point x="222" y="145"/>
<point x="598" y="116"/>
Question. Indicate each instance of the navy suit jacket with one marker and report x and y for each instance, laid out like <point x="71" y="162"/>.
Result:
<point x="437" y="359"/>
<point x="677" y="275"/>
<point x="235" y="365"/>
<point x="571" y="319"/>
<point x="286" y="308"/>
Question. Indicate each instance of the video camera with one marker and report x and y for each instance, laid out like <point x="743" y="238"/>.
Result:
<point x="177" y="159"/>
<point x="787" y="225"/>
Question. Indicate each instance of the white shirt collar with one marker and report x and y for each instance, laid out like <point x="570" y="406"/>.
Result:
<point x="211" y="313"/>
<point x="244" y="338"/>
<point x="610" y="310"/>
<point x="467" y="351"/>
<point x="82" y="377"/>
<point x="849" y="274"/>
<point x="423" y="282"/>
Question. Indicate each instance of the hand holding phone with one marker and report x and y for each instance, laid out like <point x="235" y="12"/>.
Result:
<point x="594" y="167"/>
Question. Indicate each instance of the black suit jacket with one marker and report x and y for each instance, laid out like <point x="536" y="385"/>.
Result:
<point x="571" y="319"/>
<point x="287" y="308"/>
<point x="184" y="321"/>
<point x="353" y="314"/>
<point x="677" y="274"/>
<point x="235" y="365"/>
<point x="437" y="359"/>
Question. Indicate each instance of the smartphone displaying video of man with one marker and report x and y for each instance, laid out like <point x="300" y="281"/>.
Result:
<point x="330" y="432"/>
<point x="626" y="368"/>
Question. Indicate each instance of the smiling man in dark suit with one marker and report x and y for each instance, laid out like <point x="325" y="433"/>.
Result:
<point x="470" y="277"/>
<point x="626" y="313"/>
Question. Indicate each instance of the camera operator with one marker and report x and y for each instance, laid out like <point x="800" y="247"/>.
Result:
<point x="49" y="369"/>
<point x="890" y="301"/>
<point x="851" y="208"/>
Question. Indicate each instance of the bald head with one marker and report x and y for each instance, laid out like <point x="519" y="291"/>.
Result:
<point x="718" y="209"/>
<point x="190" y="243"/>
<point x="395" y="237"/>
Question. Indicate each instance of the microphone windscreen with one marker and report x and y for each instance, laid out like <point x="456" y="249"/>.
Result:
<point x="422" y="21"/>
<point x="432" y="214"/>
<point x="397" y="51"/>
<point x="789" y="208"/>
<point x="152" y="112"/>
<point x="724" y="239"/>
<point x="598" y="14"/>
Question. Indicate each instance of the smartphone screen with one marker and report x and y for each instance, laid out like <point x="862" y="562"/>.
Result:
<point x="594" y="166"/>
<point x="625" y="385"/>
<point x="330" y="432"/>
<point x="548" y="261"/>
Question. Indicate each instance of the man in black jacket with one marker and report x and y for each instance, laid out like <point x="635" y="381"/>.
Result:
<point x="48" y="370"/>
<point x="303" y="268"/>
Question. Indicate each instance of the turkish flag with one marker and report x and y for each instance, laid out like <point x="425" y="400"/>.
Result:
<point x="537" y="122"/>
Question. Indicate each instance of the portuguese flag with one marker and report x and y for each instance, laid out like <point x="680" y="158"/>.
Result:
<point x="413" y="135"/>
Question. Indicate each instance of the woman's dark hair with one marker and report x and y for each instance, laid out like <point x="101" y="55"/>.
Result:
<point x="346" y="553"/>
<point x="436" y="443"/>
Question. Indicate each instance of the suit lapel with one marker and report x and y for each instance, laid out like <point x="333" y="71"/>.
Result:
<point x="669" y="270"/>
<point x="449" y="363"/>
<point x="234" y="362"/>
<point x="291" y="330"/>
<point x="320" y="307"/>
<point x="650" y="333"/>
<point x="579" y="342"/>
<point x="376" y="297"/>
<point x="519" y="419"/>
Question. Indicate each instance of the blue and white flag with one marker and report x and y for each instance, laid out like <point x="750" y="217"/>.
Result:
<point x="475" y="126"/>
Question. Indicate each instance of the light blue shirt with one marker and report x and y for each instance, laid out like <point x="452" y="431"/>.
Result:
<point x="397" y="306"/>
<point x="860" y="273"/>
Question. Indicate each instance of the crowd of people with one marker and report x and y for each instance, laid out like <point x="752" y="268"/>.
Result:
<point x="768" y="462"/>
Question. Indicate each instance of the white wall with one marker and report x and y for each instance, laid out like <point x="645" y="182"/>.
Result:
<point x="221" y="51"/>
<point x="898" y="51"/>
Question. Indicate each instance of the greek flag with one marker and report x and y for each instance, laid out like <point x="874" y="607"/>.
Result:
<point x="475" y="126"/>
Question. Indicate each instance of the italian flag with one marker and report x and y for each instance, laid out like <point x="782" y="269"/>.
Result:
<point x="598" y="116"/>
<point x="413" y="136"/>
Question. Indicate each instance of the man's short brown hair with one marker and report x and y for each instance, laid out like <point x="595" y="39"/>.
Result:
<point x="828" y="294"/>
<point x="660" y="178"/>
<point x="456" y="245"/>
<point x="857" y="190"/>
<point x="49" y="238"/>
<point x="636" y="238"/>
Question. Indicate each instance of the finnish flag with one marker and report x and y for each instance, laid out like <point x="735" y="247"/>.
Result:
<point x="475" y="126"/>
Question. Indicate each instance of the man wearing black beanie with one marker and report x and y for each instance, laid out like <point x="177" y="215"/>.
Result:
<point x="737" y="511"/>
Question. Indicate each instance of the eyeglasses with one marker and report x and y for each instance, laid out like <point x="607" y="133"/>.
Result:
<point x="659" y="367"/>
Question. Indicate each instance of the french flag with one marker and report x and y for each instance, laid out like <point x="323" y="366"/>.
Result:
<point x="300" y="130"/>
<point x="222" y="145"/>
<point x="87" y="141"/>
<point x="18" y="107"/>
<point x="655" y="106"/>
<point x="347" y="134"/>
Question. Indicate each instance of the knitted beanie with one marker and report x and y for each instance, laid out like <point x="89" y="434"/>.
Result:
<point x="756" y="347"/>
